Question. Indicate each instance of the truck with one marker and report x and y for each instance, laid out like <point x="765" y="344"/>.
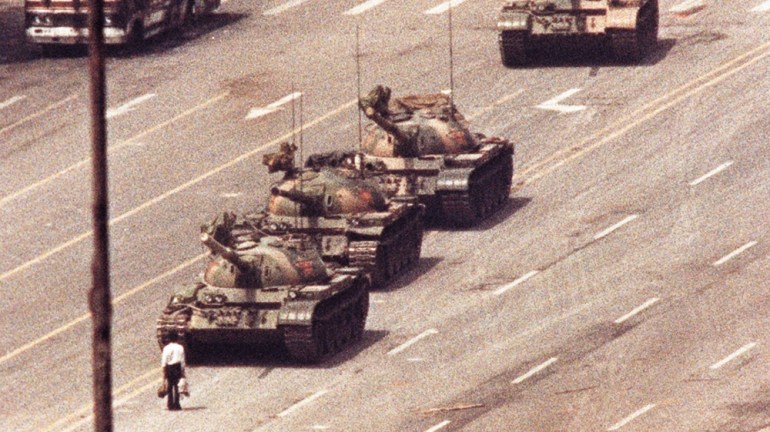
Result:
<point x="53" y="23"/>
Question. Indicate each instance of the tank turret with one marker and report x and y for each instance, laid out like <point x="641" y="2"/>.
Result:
<point x="351" y="217"/>
<point x="413" y="126"/>
<point x="420" y="145"/>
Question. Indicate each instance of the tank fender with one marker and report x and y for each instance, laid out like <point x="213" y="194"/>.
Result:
<point x="622" y="18"/>
<point x="453" y="180"/>
<point x="297" y="312"/>
<point x="513" y="20"/>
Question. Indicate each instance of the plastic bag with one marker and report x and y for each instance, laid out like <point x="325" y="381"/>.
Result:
<point x="184" y="387"/>
<point x="163" y="389"/>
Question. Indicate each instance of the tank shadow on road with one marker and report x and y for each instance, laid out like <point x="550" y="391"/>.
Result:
<point x="593" y="55"/>
<point x="274" y="356"/>
<point x="405" y="279"/>
<point x="513" y="205"/>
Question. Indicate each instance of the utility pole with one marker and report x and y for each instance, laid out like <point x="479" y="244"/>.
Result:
<point x="99" y="299"/>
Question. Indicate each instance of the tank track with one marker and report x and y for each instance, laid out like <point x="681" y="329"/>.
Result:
<point x="489" y="188"/>
<point x="338" y="323"/>
<point x="513" y="48"/>
<point x="392" y="255"/>
<point x="176" y="321"/>
<point x="633" y="45"/>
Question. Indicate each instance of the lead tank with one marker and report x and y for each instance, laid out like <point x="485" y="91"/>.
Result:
<point x="259" y="289"/>
<point x="629" y="27"/>
<point x="348" y="216"/>
<point x="420" y="145"/>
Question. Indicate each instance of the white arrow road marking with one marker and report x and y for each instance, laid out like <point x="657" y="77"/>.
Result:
<point x="302" y="403"/>
<point x="363" y="7"/>
<point x="554" y="105"/>
<point x="275" y="106"/>
<point x="11" y="101"/>
<point x="734" y="253"/>
<point x="534" y="370"/>
<point x="129" y="106"/>
<point x="732" y="356"/>
<point x="412" y="341"/>
<point x="764" y="7"/>
<point x="628" y="419"/>
<point x="688" y="6"/>
<point x="609" y="230"/>
<point x="284" y="7"/>
<point x="715" y="171"/>
<point x="443" y="7"/>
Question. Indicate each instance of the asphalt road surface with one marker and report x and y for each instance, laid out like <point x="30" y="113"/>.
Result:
<point x="624" y="286"/>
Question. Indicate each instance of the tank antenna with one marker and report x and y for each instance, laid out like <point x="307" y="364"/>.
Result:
<point x="358" y="89"/>
<point x="451" y="66"/>
<point x="293" y="121"/>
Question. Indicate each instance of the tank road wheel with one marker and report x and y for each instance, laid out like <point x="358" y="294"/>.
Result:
<point x="633" y="45"/>
<point x="513" y="48"/>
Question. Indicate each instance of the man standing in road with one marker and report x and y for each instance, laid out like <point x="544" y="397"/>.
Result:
<point x="172" y="363"/>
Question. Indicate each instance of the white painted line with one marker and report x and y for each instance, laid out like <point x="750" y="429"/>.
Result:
<point x="11" y="101"/>
<point x="734" y="253"/>
<point x="764" y="7"/>
<point x="273" y="107"/>
<point x="129" y="106"/>
<point x="439" y="426"/>
<point x="732" y="356"/>
<point x="443" y="7"/>
<point x="302" y="403"/>
<point x="363" y="7"/>
<point x="628" y="419"/>
<point x="687" y="6"/>
<point x="231" y="194"/>
<point x="321" y="427"/>
<point x="412" y="341"/>
<point x="555" y="105"/>
<point x="644" y="306"/>
<point x="711" y="173"/>
<point x="534" y="370"/>
<point x="609" y="230"/>
<point x="284" y="7"/>
<point x="446" y="92"/>
<point x="415" y="359"/>
<point x="506" y="287"/>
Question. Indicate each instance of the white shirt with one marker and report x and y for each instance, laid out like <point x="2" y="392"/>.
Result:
<point x="173" y="353"/>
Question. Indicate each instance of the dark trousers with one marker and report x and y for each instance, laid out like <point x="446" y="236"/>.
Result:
<point x="173" y="375"/>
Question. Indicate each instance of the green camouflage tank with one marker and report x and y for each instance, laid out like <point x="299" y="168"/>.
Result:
<point x="420" y="145"/>
<point x="257" y="289"/>
<point x="630" y="27"/>
<point x="349" y="217"/>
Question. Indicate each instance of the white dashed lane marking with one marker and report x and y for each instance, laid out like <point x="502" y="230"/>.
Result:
<point x="129" y="106"/>
<point x="412" y="341"/>
<point x="302" y="403"/>
<point x="363" y="7"/>
<point x="644" y="306"/>
<point x="711" y="173"/>
<point x="763" y="7"/>
<point x="630" y="418"/>
<point x="11" y="101"/>
<point x="688" y="7"/>
<point x="506" y="287"/>
<point x="273" y="107"/>
<point x="609" y="230"/>
<point x="742" y="350"/>
<point x="284" y="7"/>
<point x="734" y="253"/>
<point x="534" y="371"/>
<point x="443" y="7"/>
<point x="439" y="426"/>
<point x="555" y="104"/>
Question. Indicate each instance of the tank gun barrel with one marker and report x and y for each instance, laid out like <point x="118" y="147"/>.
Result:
<point x="223" y="251"/>
<point x="372" y="114"/>
<point x="296" y="196"/>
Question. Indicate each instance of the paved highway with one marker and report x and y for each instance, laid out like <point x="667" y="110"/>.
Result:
<point x="624" y="287"/>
